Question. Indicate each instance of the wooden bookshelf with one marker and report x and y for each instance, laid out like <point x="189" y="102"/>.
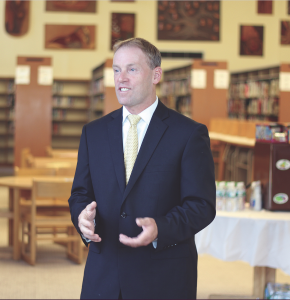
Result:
<point x="7" y="111"/>
<point x="178" y="90"/>
<point x="255" y="95"/>
<point x="70" y="112"/>
<point x="102" y="92"/>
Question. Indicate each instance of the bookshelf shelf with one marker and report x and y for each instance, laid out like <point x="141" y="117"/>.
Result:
<point x="103" y="99"/>
<point x="7" y="104"/>
<point x="256" y="95"/>
<point x="70" y="110"/>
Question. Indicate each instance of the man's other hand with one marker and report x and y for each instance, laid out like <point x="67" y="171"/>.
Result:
<point x="147" y="236"/>
<point x="86" y="222"/>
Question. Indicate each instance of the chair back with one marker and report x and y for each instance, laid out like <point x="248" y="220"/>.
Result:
<point x="34" y="171"/>
<point x="52" y="192"/>
<point x="66" y="172"/>
<point x="62" y="153"/>
<point x="50" y="162"/>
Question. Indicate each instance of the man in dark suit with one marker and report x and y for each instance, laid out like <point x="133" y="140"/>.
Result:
<point x="144" y="186"/>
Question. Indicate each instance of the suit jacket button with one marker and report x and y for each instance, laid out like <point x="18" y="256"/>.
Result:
<point x="123" y="215"/>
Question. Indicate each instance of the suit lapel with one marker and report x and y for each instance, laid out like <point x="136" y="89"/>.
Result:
<point x="116" y="146"/>
<point x="152" y="137"/>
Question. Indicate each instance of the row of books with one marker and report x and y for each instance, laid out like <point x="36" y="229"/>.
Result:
<point x="265" y="106"/>
<point x="59" y="114"/>
<point x="262" y="106"/>
<point x="178" y="87"/>
<point x="61" y="129"/>
<point x="98" y="73"/>
<point x="7" y="87"/>
<point x="67" y="101"/>
<point x="255" y="89"/>
<point x="98" y="103"/>
<point x="8" y="100"/>
<point x="177" y="74"/>
<point x="57" y="87"/>
<point x="97" y="86"/>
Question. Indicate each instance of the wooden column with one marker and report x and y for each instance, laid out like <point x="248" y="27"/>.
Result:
<point x="284" y="100"/>
<point x="208" y="102"/>
<point x="33" y="107"/>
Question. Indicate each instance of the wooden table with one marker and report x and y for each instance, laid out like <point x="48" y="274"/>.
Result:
<point x="15" y="185"/>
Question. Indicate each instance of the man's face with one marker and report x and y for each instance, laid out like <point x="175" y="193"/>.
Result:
<point x="134" y="80"/>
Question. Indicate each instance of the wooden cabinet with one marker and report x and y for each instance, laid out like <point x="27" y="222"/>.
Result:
<point x="7" y="101"/>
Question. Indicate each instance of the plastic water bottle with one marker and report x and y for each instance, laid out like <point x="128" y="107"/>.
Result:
<point x="256" y="195"/>
<point x="241" y="194"/>
<point x="220" y="199"/>
<point x="232" y="199"/>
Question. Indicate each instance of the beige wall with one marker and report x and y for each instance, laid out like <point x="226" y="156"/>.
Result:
<point x="78" y="64"/>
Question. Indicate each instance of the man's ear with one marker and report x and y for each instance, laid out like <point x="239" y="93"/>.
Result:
<point x="157" y="74"/>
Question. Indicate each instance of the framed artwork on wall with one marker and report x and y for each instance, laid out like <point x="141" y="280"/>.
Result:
<point x="123" y="27"/>
<point x="70" y="36"/>
<point x="188" y="20"/>
<point x="285" y="32"/>
<point x="265" y="7"/>
<point x="72" y="6"/>
<point x="16" y="17"/>
<point x="251" y="40"/>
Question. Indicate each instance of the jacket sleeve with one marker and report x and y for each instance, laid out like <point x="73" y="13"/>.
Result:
<point x="198" y="194"/>
<point x="82" y="192"/>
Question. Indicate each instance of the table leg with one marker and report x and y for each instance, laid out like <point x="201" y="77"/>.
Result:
<point x="10" y="221"/>
<point x="262" y="275"/>
<point x="16" y="244"/>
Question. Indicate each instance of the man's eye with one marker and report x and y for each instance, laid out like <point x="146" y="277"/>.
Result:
<point x="133" y="69"/>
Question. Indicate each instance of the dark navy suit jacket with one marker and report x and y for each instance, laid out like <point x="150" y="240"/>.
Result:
<point x="172" y="181"/>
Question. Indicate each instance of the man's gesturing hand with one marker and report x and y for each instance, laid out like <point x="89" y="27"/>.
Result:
<point x="147" y="236"/>
<point x="86" y="222"/>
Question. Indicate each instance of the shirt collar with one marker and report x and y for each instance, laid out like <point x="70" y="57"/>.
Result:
<point x="145" y="115"/>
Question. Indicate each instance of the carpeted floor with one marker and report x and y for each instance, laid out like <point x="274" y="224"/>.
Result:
<point x="55" y="277"/>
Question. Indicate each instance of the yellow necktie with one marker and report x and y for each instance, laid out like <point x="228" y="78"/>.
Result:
<point x="131" y="148"/>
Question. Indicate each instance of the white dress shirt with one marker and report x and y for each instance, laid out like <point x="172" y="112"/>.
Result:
<point x="142" y="125"/>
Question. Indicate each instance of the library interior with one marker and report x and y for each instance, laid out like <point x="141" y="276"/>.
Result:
<point x="226" y="64"/>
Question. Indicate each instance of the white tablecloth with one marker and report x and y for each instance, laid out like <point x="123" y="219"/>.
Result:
<point x="260" y="238"/>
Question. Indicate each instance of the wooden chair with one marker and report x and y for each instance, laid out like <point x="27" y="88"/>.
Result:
<point x="46" y="217"/>
<point x="218" y="149"/>
<point x="62" y="153"/>
<point x="55" y="163"/>
<point x="69" y="172"/>
<point x="25" y="157"/>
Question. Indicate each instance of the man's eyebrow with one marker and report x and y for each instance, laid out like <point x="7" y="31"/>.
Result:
<point x="130" y="65"/>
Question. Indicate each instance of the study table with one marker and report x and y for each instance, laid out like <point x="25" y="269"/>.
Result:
<point x="260" y="238"/>
<point x="16" y="184"/>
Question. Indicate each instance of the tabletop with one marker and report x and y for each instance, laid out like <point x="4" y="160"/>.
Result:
<point x="26" y="182"/>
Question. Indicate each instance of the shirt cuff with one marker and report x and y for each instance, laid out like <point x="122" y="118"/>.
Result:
<point x="154" y="243"/>
<point x="88" y="240"/>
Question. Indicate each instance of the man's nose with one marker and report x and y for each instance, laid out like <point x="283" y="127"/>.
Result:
<point x="123" y="76"/>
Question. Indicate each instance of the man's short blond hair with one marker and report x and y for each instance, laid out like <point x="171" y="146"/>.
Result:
<point x="152" y="53"/>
